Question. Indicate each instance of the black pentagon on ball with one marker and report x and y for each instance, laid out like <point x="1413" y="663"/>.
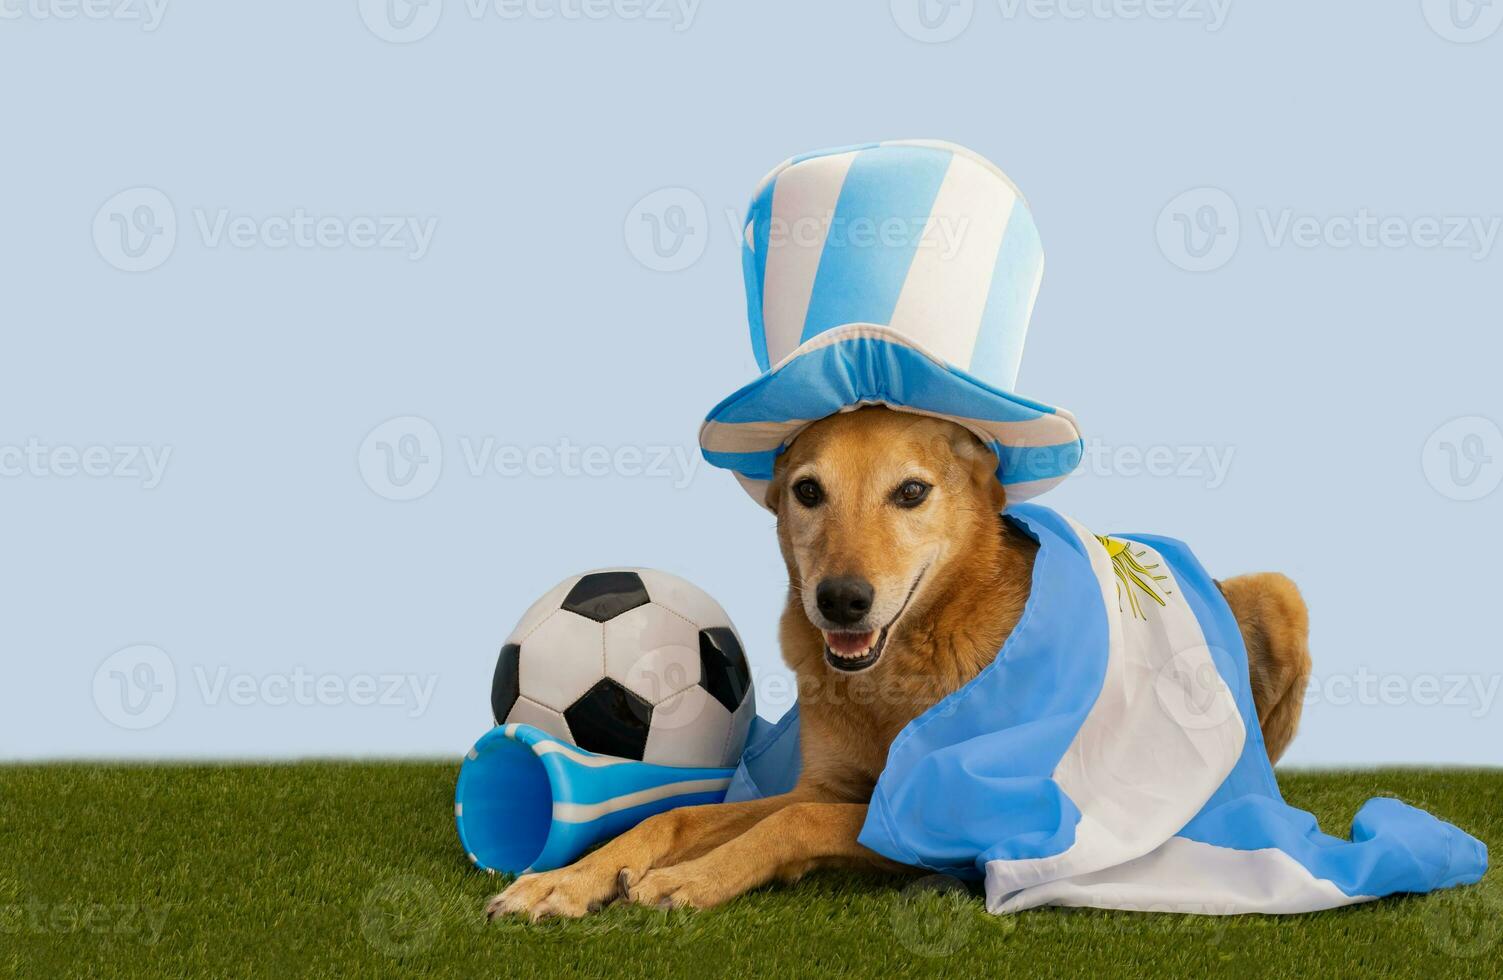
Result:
<point x="504" y="684"/>
<point x="610" y="720"/>
<point x="722" y="667"/>
<point x="603" y="596"/>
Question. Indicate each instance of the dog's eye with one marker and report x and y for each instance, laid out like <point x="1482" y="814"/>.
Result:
<point x="911" y="493"/>
<point x="808" y="492"/>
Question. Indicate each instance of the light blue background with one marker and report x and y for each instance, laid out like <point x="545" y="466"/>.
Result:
<point x="531" y="319"/>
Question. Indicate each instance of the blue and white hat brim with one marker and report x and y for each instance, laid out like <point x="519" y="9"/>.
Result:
<point x="863" y="364"/>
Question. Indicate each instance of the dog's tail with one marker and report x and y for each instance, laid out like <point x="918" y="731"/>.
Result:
<point x="1275" y="628"/>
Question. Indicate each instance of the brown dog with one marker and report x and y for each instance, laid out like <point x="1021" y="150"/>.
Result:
<point x="904" y="582"/>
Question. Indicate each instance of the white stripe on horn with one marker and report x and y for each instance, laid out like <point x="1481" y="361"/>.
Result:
<point x="945" y="293"/>
<point x="585" y="812"/>
<point x="803" y="202"/>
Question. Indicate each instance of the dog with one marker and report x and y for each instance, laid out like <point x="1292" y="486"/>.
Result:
<point x="904" y="581"/>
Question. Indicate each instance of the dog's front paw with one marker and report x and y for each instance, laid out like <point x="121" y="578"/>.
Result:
<point x="567" y="893"/>
<point x="682" y="886"/>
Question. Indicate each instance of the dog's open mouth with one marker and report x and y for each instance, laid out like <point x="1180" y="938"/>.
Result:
<point x="852" y="652"/>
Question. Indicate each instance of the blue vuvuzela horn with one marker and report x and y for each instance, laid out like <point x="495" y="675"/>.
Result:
<point x="526" y="801"/>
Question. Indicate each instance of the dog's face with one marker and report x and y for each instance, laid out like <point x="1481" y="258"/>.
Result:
<point x="873" y="506"/>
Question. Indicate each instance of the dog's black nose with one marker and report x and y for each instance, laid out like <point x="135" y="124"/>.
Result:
<point x="845" y="599"/>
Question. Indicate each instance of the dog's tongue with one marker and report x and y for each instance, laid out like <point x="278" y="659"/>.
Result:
<point x="850" y="644"/>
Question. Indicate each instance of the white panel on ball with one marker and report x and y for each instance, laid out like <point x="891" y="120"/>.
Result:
<point x="688" y="729"/>
<point x="538" y="611"/>
<point x="652" y="651"/>
<point x="684" y="598"/>
<point x="561" y="660"/>
<point x="740" y="725"/>
<point x="526" y="712"/>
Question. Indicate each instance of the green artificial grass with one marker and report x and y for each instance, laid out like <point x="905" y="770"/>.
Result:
<point x="354" y="869"/>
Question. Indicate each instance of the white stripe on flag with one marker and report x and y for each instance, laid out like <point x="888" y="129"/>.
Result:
<point x="945" y="293"/>
<point x="1160" y="683"/>
<point x="803" y="202"/>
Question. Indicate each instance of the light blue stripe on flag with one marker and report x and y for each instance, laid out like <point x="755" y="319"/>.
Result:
<point x="859" y="282"/>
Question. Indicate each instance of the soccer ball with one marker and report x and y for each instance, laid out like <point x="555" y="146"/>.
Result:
<point x="634" y="663"/>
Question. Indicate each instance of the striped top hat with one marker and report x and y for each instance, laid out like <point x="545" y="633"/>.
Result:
<point x="899" y="274"/>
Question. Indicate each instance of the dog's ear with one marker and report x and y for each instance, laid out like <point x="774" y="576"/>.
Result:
<point x="773" y="497"/>
<point x="982" y="463"/>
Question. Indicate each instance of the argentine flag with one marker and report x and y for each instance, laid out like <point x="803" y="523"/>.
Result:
<point x="1111" y="757"/>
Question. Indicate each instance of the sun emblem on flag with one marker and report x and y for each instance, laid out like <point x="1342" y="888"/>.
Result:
<point x="1133" y="576"/>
